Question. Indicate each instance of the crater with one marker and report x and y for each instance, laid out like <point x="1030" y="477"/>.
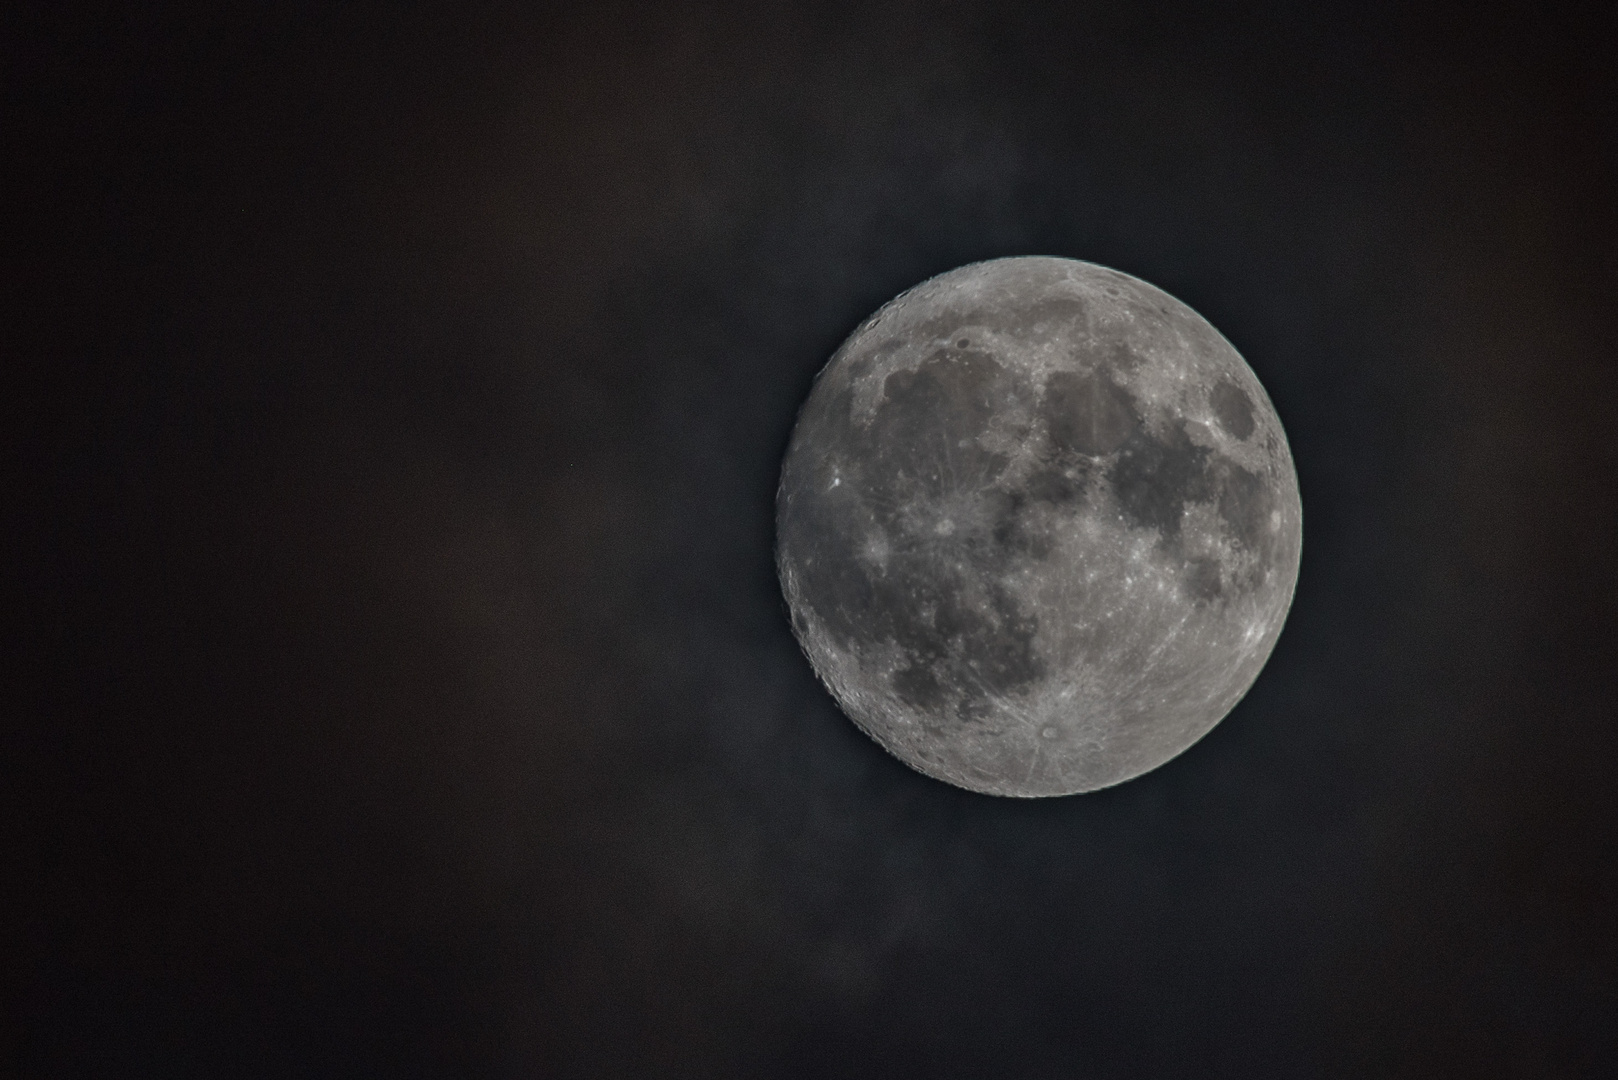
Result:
<point x="1232" y="409"/>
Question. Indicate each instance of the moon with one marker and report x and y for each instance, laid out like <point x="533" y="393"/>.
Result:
<point x="1038" y="527"/>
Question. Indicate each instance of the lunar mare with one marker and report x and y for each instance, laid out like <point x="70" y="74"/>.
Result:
<point x="1038" y="527"/>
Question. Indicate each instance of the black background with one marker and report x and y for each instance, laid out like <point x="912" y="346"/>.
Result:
<point x="394" y="401"/>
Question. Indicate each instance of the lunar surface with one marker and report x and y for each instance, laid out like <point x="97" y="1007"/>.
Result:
<point x="1038" y="527"/>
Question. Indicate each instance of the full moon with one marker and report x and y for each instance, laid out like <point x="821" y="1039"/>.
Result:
<point x="1038" y="527"/>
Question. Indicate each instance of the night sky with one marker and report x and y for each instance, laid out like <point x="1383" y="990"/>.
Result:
<point x="393" y="406"/>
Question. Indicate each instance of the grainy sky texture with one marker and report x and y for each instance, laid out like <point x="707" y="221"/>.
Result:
<point x="394" y="402"/>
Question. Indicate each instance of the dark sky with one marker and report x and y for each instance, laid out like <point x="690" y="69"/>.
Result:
<point x="393" y="404"/>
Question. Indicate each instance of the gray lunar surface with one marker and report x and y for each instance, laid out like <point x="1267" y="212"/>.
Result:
<point x="1038" y="527"/>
